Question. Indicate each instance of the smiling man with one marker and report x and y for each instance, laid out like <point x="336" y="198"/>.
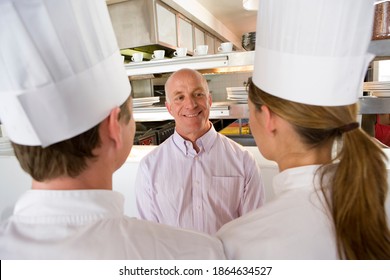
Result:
<point x="189" y="102"/>
<point x="198" y="178"/>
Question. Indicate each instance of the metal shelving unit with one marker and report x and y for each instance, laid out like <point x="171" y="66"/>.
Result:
<point x="237" y="62"/>
<point x="381" y="49"/>
<point x="216" y="63"/>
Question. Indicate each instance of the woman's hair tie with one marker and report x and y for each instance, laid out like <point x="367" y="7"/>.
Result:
<point x="348" y="127"/>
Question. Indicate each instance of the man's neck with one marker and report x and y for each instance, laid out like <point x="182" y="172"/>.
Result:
<point x="85" y="181"/>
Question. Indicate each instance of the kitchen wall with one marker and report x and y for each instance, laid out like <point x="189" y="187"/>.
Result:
<point x="219" y="82"/>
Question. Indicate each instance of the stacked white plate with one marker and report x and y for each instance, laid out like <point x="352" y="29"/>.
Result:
<point x="238" y="94"/>
<point x="379" y="89"/>
<point x="5" y="146"/>
<point x="145" y="101"/>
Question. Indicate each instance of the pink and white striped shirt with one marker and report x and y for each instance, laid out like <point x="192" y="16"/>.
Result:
<point x="200" y="191"/>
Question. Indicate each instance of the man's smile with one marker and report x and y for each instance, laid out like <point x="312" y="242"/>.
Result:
<point x="192" y="115"/>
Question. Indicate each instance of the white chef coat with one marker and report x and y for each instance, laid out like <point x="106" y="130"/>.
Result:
<point x="294" y="225"/>
<point x="90" y="224"/>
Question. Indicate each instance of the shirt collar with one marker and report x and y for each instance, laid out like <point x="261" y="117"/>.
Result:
<point x="297" y="178"/>
<point x="70" y="203"/>
<point x="205" y="142"/>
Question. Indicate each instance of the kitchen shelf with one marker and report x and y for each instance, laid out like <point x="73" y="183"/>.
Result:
<point x="216" y="63"/>
<point x="222" y="62"/>
<point x="230" y="62"/>
<point x="374" y="105"/>
<point x="381" y="49"/>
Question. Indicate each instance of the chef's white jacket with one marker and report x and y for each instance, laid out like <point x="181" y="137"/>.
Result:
<point x="90" y="224"/>
<point x="294" y="225"/>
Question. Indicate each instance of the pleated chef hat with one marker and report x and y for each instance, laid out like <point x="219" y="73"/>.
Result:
<point x="313" y="51"/>
<point x="61" y="72"/>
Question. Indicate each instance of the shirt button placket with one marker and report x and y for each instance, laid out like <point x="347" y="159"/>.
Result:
<point x="198" y="194"/>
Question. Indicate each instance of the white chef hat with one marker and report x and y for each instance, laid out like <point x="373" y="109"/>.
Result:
<point x="61" y="72"/>
<point x="313" y="51"/>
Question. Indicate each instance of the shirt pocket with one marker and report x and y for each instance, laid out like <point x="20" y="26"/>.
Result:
<point x="225" y="195"/>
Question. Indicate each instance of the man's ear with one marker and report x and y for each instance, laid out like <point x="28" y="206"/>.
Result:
<point x="168" y="106"/>
<point x="113" y="127"/>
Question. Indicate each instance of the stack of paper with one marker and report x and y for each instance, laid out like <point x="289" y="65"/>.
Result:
<point x="238" y="94"/>
<point x="145" y="101"/>
<point x="379" y="89"/>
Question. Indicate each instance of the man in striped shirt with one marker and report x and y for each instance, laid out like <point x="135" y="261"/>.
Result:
<point x="198" y="178"/>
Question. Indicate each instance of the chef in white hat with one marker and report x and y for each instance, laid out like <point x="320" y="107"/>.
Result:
<point x="311" y="57"/>
<point x="65" y="104"/>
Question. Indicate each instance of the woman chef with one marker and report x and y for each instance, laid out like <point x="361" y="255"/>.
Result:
<point x="311" y="57"/>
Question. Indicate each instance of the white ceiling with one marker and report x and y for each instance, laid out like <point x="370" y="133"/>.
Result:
<point x="232" y="14"/>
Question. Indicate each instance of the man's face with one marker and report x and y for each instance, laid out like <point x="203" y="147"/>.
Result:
<point x="189" y="103"/>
